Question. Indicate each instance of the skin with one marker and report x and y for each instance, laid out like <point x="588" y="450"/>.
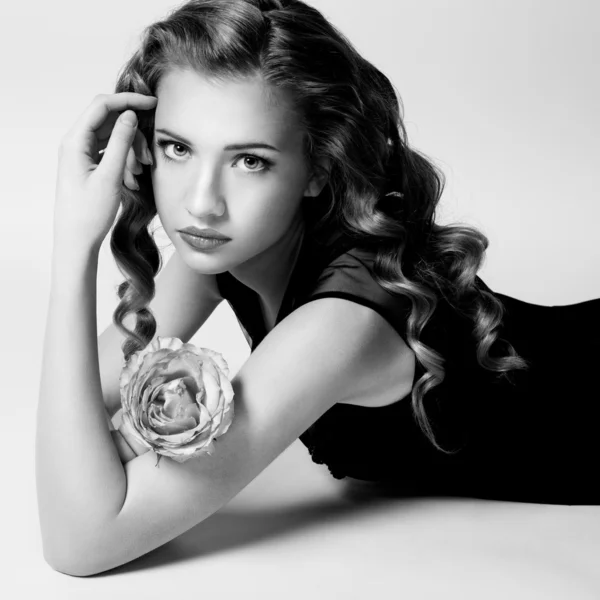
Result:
<point x="255" y="204"/>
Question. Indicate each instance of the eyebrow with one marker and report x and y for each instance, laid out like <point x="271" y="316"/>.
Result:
<point x="230" y="147"/>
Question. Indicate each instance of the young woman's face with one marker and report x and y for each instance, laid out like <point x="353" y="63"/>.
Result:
<point x="252" y="195"/>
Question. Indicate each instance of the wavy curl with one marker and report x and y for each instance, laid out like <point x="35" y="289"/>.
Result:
<point x="380" y="193"/>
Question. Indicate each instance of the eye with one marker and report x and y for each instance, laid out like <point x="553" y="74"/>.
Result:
<point x="162" y="144"/>
<point x="266" y="162"/>
<point x="253" y="157"/>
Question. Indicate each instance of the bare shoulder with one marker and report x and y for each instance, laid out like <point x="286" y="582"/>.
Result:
<point x="383" y="364"/>
<point x="348" y="339"/>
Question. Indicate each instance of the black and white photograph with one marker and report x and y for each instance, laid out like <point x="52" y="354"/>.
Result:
<point x="301" y="299"/>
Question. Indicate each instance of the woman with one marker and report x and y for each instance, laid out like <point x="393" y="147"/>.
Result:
<point x="373" y="339"/>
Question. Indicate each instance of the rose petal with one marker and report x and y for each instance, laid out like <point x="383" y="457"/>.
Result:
<point x="176" y="397"/>
<point x="136" y="361"/>
<point x="217" y="358"/>
<point x="212" y="398"/>
<point x="183" y="427"/>
<point x="126" y="422"/>
<point x="201" y="431"/>
<point x="173" y="387"/>
<point x="227" y="421"/>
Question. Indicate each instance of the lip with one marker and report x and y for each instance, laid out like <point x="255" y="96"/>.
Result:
<point x="204" y="233"/>
<point x="202" y="243"/>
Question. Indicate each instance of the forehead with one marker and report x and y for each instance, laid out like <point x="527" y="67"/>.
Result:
<point x="197" y="107"/>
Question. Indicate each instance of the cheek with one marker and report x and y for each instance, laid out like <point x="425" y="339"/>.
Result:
<point x="269" y="213"/>
<point x="166" y="213"/>
<point x="159" y="182"/>
<point x="165" y="196"/>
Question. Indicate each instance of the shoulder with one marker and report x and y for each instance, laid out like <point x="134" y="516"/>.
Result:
<point x="332" y="336"/>
<point x="352" y="352"/>
<point x="350" y="276"/>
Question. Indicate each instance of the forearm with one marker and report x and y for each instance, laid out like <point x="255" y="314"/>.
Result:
<point x="80" y="481"/>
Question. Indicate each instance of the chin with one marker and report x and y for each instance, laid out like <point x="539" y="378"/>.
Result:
<point x="208" y="260"/>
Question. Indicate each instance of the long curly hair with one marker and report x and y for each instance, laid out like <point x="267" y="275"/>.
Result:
<point x="380" y="193"/>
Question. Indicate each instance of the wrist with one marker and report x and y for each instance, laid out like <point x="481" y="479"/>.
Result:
<point x="66" y="252"/>
<point x="68" y="246"/>
<point x="74" y="262"/>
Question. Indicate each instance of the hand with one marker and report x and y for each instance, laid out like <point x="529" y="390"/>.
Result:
<point x="127" y="446"/>
<point x="126" y="453"/>
<point x="88" y="192"/>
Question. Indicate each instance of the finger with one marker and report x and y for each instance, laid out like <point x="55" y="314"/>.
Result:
<point x="119" y="144"/>
<point x="131" y="441"/>
<point x="103" y="104"/>
<point x="130" y="181"/>
<point x="82" y="133"/>
<point x="142" y="151"/>
<point x="132" y="163"/>
<point x="139" y="152"/>
<point x="123" y="448"/>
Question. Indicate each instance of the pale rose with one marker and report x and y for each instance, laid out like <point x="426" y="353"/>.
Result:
<point x="176" y="398"/>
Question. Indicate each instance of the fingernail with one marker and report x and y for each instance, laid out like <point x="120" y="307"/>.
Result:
<point x="148" y="156"/>
<point x="129" y="118"/>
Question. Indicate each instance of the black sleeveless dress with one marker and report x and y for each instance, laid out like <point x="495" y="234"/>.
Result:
<point x="530" y="438"/>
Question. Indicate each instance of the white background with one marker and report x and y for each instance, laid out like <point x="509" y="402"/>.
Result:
<point x="504" y="96"/>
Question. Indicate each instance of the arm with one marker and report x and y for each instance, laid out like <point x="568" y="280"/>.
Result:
<point x="80" y="480"/>
<point x="306" y="364"/>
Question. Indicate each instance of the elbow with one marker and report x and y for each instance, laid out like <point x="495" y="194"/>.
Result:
<point x="65" y="569"/>
<point x="79" y="547"/>
<point x="63" y="562"/>
<point x="75" y="567"/>
<point x="70" y="557"/>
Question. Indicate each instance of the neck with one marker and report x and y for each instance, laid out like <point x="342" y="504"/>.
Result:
<point x="268" y="274"/>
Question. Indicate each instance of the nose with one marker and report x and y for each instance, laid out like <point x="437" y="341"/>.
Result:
<point x="205" y="196"/>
